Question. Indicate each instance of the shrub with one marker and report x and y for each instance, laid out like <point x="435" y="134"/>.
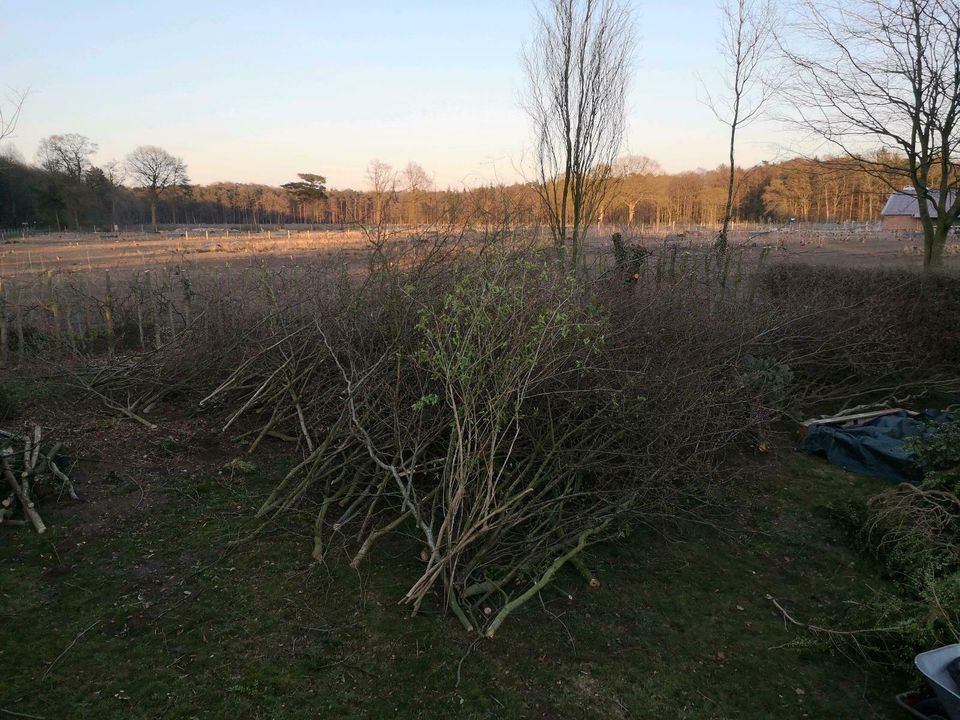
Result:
<point x="916" y="533"/>
<point x="912" y="312"/>
<point x="938" y="453"/>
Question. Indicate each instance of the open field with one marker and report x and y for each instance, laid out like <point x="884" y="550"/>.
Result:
<point x="78" y="286"/>
<point x="73" y="252"/>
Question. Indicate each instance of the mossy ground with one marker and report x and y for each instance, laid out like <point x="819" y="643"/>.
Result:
<point x="154" y="616"/>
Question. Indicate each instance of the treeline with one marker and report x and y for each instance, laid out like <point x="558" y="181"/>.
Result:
<point x="58" y="197"/>
<point x="828" y="190"/>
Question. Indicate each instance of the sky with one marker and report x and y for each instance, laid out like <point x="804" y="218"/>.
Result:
<point x="259" y="91"/>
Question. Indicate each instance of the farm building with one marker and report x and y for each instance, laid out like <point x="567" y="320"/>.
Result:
<point x="902" y="211"/>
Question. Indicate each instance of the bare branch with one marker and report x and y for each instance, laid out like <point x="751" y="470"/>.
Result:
<point x="10" y="118"/>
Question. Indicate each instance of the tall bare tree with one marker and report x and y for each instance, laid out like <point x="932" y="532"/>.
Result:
<point x="578" y="68"/>
<point x="383" y="185"/>
<point x="157" y="172"/>
<point x="885" y="75"/>
<point x="747" y="37"/>
<point x="374" y="221"/>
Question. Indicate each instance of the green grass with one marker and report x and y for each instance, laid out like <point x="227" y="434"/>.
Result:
<point x="154" y="619"/>
<point x="15" y="394"/>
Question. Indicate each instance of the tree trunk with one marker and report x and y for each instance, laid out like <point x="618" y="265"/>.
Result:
<point x="934" y="240"/>
<point x="153" y="213"/>
<point x="728" y="210"/>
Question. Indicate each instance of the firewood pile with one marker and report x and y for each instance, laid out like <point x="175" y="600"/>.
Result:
<point x="31" y="468"/>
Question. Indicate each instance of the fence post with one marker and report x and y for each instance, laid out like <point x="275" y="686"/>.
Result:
<point x="18" y="310"/>
<point x="108" y="312"/>
<point x="138" y="295"/>
<point x="52" y="306"/>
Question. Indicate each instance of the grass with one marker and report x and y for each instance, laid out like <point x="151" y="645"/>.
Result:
<point x="153" y="617"/>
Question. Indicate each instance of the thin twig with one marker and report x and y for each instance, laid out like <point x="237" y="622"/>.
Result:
<point x="67" y="648"/>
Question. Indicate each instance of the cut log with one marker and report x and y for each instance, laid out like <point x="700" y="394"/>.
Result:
<point x="32" y="515"/>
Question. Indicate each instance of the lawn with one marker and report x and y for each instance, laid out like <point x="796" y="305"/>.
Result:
<point x="137" y="606"/>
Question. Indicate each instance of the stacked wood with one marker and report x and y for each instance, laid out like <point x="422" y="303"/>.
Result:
<point x="29" y="467"/>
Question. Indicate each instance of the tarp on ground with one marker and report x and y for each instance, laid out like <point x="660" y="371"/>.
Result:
<point x="875" y="447"/>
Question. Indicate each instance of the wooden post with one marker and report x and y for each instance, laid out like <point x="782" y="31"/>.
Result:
<point x="18" y="310"/>
<point x="138" y="292"/>
<point x="152" y="299"/>
<point x="52" y="306"/>
<point x="108" y="312"/>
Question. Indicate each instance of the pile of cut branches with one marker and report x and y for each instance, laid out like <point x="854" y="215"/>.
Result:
<point x="494" y="411"/>
<point x="28" y="469"/>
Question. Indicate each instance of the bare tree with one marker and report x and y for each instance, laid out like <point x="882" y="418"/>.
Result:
<point x="578" y="68"/>
<point x="156" y="171"/>
<point x="375" y="228"/>
<point x="637" y="165"/>
<point x="415" y="178"/>
<point x="635" y="171"/>
<point x="10" y="118"/>
<point x="66" y="154"/>
<point x="875" y="75"/>
<point x="416" y="181"/>
<point x="747" y="36"/>
<point x="383" y="184"/>
<point x="67" y="159"/>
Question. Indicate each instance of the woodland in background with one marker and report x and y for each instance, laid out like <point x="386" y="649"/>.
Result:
<point x="805" y="190"/>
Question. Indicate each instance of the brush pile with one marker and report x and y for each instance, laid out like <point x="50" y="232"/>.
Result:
<point x="29" y="469"/>
<point x="505" y="414"/>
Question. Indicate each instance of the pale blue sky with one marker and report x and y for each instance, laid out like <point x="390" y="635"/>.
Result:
<point x="258" y="91"/>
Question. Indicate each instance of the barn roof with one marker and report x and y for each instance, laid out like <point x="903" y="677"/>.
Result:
<point x="904" y="202"/>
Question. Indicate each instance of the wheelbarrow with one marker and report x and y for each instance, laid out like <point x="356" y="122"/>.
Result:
<point x="941" y="669"/>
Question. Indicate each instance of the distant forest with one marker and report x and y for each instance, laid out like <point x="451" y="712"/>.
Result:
<point x="96" y="198"/>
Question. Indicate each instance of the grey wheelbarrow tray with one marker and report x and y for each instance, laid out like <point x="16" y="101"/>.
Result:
<point x="933" y="666"/>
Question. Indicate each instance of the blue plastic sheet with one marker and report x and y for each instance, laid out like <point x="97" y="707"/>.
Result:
<point x="875" y="447"/>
